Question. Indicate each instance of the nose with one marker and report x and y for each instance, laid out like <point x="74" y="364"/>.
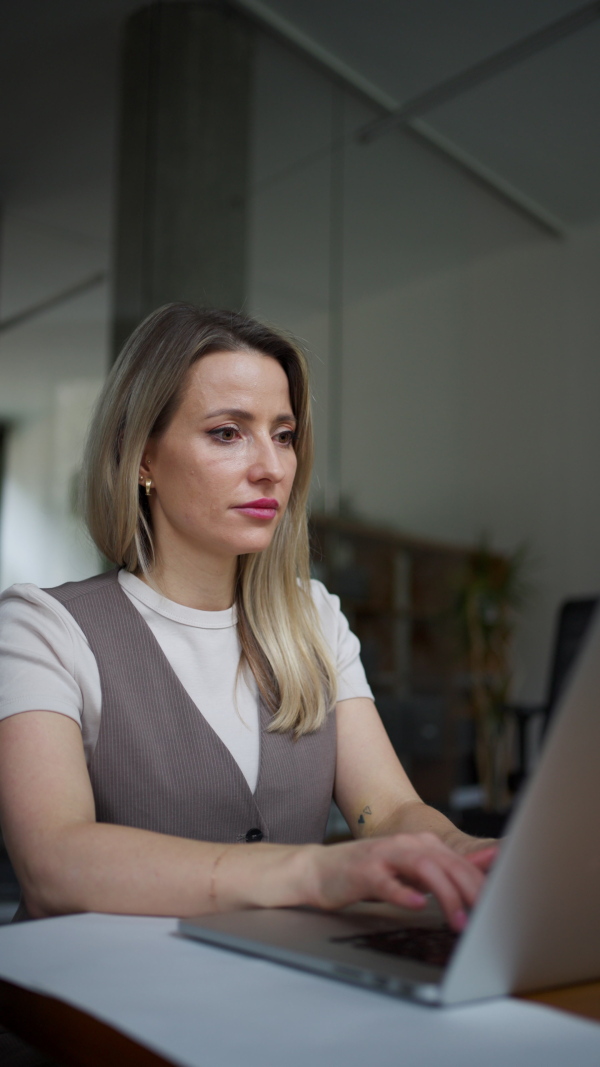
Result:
<point x="267" y="464"/>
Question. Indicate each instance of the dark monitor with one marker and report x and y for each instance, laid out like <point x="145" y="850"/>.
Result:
<point x="573" y="622"/>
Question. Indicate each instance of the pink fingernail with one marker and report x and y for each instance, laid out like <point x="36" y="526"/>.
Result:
<point x="418" y="899"/>
<point x="460" y="919"/>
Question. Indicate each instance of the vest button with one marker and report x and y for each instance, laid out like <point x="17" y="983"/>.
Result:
<point x="254" y="835"/>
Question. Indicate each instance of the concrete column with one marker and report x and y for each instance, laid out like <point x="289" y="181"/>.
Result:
<point x="183" y="159"/>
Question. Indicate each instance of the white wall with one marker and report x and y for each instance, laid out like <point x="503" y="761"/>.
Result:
<point x="469" y="381"/>
<point x="42" y="537"/>
<point x="51" y="367"/>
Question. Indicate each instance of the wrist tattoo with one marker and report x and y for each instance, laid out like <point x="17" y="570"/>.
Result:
<point x="361" y="817"/>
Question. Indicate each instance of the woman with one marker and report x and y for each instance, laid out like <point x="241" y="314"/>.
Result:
<point x="116" y="794"/>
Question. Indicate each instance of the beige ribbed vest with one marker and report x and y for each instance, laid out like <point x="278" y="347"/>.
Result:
<point x="158" y="765"/>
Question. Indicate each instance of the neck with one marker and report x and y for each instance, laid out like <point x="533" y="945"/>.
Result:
<point x="205" y="585"/>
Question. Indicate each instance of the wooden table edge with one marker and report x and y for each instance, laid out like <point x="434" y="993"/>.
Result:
<point x="78" y="1039"/>
<point x="72" y="1036"/>
<point x="582" y="1000"/>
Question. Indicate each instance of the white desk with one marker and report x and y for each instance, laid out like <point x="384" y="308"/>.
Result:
<point x="202" y="1007"/>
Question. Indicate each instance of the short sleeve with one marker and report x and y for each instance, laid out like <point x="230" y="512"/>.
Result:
<point x="344" y="645"/>
<point x="37" y="660"/>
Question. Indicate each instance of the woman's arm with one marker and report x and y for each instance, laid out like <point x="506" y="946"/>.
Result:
<point x="373" y="791"/>
<point x="66" y="862"/>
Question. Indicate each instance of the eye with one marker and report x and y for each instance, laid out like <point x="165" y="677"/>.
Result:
<point x="286" y="437"/>
<point x="226" y="434"/>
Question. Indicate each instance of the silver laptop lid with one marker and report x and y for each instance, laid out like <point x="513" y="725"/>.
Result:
<point x="538" y="922"/>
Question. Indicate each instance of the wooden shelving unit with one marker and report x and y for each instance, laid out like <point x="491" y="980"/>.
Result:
<point x="397" y="592"/>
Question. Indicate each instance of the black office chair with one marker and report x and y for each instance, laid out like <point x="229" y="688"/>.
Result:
<point x="572" y="624"/>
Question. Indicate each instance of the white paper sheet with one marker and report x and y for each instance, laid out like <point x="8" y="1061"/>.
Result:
<point x="205" y="1007"/>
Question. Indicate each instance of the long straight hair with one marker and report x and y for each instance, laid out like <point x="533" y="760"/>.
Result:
<point x="279" y="630"/>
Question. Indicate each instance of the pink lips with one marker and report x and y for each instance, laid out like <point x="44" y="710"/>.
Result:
<point x="259" y="509"/>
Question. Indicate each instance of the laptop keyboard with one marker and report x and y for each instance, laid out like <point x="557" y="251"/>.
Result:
<point x="422" y="943"/>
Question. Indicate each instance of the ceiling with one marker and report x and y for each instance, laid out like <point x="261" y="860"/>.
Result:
<point x="533" y="127"/>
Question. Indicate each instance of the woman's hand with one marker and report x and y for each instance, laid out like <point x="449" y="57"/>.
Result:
<point x="399" y="869"/>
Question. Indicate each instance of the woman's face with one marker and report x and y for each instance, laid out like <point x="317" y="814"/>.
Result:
<point x="223" y="470"/>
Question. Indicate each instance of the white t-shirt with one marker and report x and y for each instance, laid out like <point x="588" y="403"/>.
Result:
<point x="46" y="662"/>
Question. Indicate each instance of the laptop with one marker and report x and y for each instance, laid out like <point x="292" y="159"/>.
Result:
<point x="536" y="923"/>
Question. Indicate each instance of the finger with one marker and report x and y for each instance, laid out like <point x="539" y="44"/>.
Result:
<point x="427" y="863"/>
<point x="392" y="891"/>
<point x="480" y="858"/>
<point x="431" y="876"/>
<point x="483" y="858"/>
<point x="466" y="878"/>
<point x="465" y="881"/>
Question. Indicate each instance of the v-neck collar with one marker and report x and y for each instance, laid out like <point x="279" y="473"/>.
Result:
<point x="264" y="716"/>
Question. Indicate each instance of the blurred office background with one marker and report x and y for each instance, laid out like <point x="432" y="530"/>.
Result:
<point x="412" y="189"/>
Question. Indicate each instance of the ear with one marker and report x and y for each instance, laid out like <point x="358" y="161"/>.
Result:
<point x="145" y="476"/>
<point x="145" y="463"/>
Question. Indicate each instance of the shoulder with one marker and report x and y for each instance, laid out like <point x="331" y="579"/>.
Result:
<point x="45" y="659"/>
<point x="26" y="599"/>
<point x="70" y="591"/>
<point x="344" y="645"/>
<point x="25" y="609"/>
<point x="327" y="606"/>
<point x="326" y="603"/>
<point x="334" y="625"/>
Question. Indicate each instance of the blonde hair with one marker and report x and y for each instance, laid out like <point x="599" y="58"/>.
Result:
<point x="278" y="625"/>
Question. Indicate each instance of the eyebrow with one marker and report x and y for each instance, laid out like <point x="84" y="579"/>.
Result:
<point x="247" y="416"/>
